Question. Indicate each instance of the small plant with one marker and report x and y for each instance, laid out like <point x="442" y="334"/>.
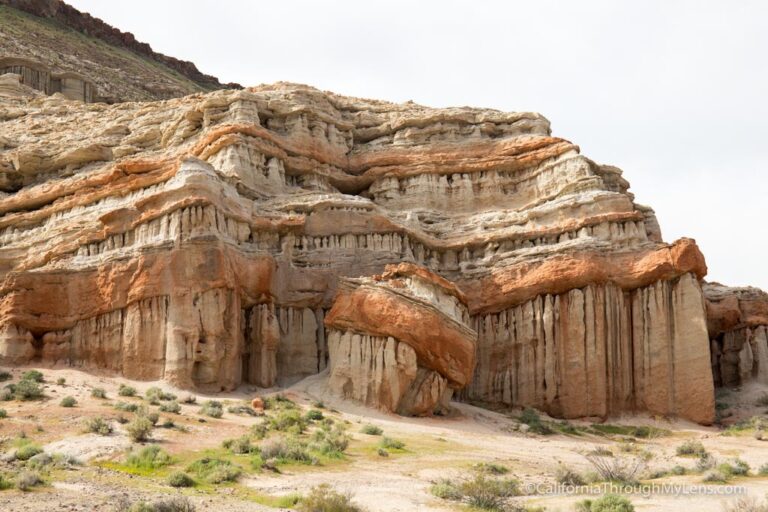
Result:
<point x="371" y="430"/>
<point x="126" y="406"/>
<point x="313" y="415"/>
<point x="330" y="442"/>
<point x="607" y="503"/>
<point x="491" y="468"/>
<point x="446" y="489"/>
<point x="705" y="461"/>
<point x="149" y="457"/>
<point x="734" y="467"/>
<point x="287" y="419"/>
<point x="240" y="445"/>
<point x="3" y="414"/>
<point x="382" y="452"/>
<point x="28" y="389"/>
<point x="5" y="482"/>
<point x="324" y="499"/>
<point x="180" y="479"/>
<point x="189" y="399"/>
<point x="746" y="504"/>
<point x="154" y="395"/>
<point x="32" y="375"/>
<point x="763" y="470"/>
<point x="617" y="469"/>
<point x="259" y="430"/>
<point x="215" y="470"/>
<point x="27" y="479"/>
<point x="566" y="476"/>
<point x="531" y="418"/>
<point x="212" y="408"/>
<point x="27" y="451"/>
<point x="98" y="393"/>
<point x="318" y="404"/>
<point x="124" y="390"/>
<point x="68" y="401"/>
<point x="174" y="504"/>
<point x="99" y="426"/>
<point x="4" y="376"/>
<point x="139" y="429"/>
<point x="715" y="477"/>
<point x="61" y="381"/>
<point x="286" y="450"/>
<point x="168" y="423"/>
<point x="691" y="448"/>
<point x="391" y="444"/>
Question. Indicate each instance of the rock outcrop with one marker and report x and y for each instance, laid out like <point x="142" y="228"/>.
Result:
<point x="400" y="341"/>
<point x="737" y="320"/>
<point x="203" y="240"/>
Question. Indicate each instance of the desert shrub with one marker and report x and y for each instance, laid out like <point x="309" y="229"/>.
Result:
<point x="287" y="419"/>
<point x="98" y="425"/>
<point x="98" y="393"/>
<point x="391" y="444"/>
<point x="259" y="430"/>
<point x="763" y="470"/>
<point x="121" y="419"/>
<point x="286" y="450"/>
<point x="488" y="493"/>
<point x="171" y="407"/>
<point x="318" y="404"/>
<point x="61" y="381"/>
<point x="139" y="429"/>
<point x="4" y="376"/>
<point x="382" y="452"/>
<point x="212" y="408"/>
<point x="734" y="467"/>
<point x="691" y="448"/>
<point x="168" y="423"/>
<point x="148" y="457"/>
<point x="27" y="389"/>
<point x="124" y="390"/>
<point x="746" y="504"/>
<point x="705" y="461"/>
<point x="324" y="499"/>
<point x="5" y="482"/>
<point x="126" y="406"/>
<point x="279" y="402"/>
<point x="242" y="409"/>
<point x="566" y="476"/>
<point x="491" y="468"/>
<point x="531" y="418"/>
<point x="27" y="479"/>
<point x="3" y="413"/>
<point x="39" y="461"/>
<point x="332" y="442"/>
<point x="189" y="399"/>
<point x="215" y="470"/>
<point x="715" y="477"/>
<point x="33" y="375"/>
<point x="446" y="489"/>
<point x="313" y="415"/>
<point x="154" y="395"/>
<point x="174" y="504"/>
<point x="180" y="479"/>
<point x="27" y="451"/>
<point x="617" y="469"/>
<point x="607" y="503"/>
<point x="371" y="430"/>
<point x="153" y="417"/>
<point x="68" y="401"/>
<point x="6" y="393"/>
<point x="239" y="445"/>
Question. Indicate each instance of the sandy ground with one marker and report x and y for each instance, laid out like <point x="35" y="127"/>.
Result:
<point x="435" y="448"/>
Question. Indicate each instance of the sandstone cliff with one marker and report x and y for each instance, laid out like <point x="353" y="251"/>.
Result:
<point x="203" y="239"/>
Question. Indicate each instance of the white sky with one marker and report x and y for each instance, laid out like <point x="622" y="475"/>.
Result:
<point x="672" y="92"/>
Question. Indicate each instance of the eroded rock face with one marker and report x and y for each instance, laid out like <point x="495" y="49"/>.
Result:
<point x="737" y="319"/>
<point x="202" y="240"/>
<point x="400" y="340"/>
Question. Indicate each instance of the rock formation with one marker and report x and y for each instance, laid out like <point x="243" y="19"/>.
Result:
<point x="400" y="341"/>
<point x="39" y="77"/>
<point x="206" y="240"/>
<point x="737" y="320"/>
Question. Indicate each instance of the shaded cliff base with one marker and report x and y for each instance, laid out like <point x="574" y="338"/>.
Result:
<point x="447" y="447"/>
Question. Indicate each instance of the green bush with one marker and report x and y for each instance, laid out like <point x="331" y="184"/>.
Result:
<point x="314" y="415"/>
<point x="324" y="499"/>
<point x="488" y="493"/>
<point x="531" y="418"/>
<point x="446" y="489"/>
<point x="124" y="390"/>
<point x="126" y="406"/>
<point x="5" y="482"/>
<point x="371" y="430"/>
<point x="331" y="442"/>
<point x="33" y="375"/>
<point x="391" y="444"/>
<point x="98" y="425"/>
<point x="215" y="470"/>
<point x="763" y="471"/>
<point x="6" y="394"/>
<point x="154" y="395"/>
<point x="715" y="477"/>
<point x="148" y="457"/>
<point x="3" y="413"/>
<point x="212" y="408"/>
<point x="607" y="503"/>
<point x="691" y="448"/>
<point x="139" y="429"/>
<point x="180" y="479"/>
<point x="98" y="393"/>
<point x="382" y="452"/>
<point x="28" y="451"/>
<point x="61" y="381"/>
<point x="68" y="401"/>
<point x="259" y="430"/>
<point x="567" y="476"/>
<point x="4" y="376"/>
<point x="279" y="402"/>
<point x="286" y="419"/>
<point x="705" y="461"/>
<point x="240" y="445"/>
<point x="27" y="479"/>
<point x="28" y="389"/>
<point x="175" y="504"/>
<point x="734" y="467"/>
<point x="286" y="450"/>
<point x="491" y="468"/>
<point x="172" y="407"/>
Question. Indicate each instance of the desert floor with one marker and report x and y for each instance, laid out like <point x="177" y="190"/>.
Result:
<point x="435" y="448"/>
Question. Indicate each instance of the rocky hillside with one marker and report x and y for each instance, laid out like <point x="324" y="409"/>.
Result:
<point x="245" y="236"/>
<point x="63" y="39"/>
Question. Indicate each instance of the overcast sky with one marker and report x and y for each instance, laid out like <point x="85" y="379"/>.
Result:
<point x="672" y="92"/>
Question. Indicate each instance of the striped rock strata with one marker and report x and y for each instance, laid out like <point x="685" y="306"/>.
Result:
<point x="202" y="240"/>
